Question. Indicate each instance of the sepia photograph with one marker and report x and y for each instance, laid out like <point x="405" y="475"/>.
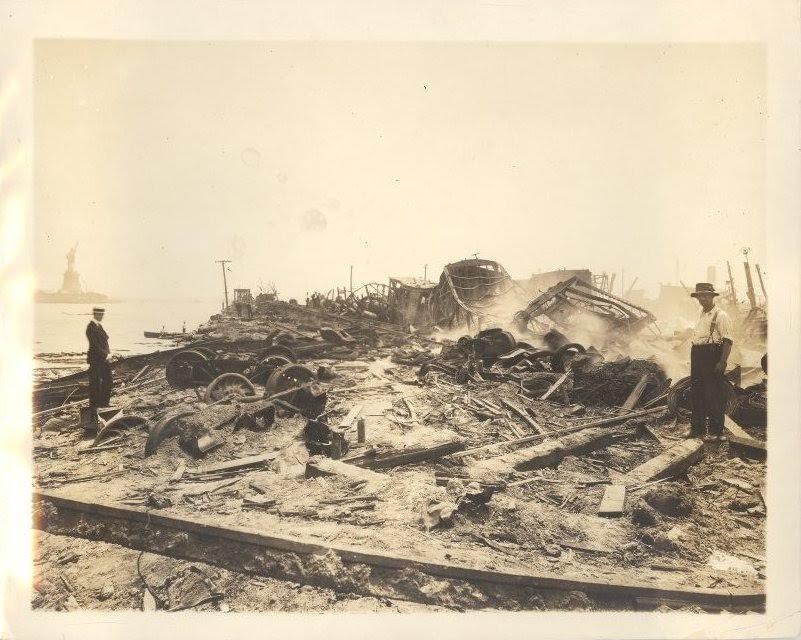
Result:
<point x="403" y="326"/>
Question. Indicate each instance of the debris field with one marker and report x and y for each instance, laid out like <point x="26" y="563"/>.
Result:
<point x="299" y="459"/>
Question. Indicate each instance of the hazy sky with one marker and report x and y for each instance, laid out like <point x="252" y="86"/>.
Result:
<point x="297" y="160"/>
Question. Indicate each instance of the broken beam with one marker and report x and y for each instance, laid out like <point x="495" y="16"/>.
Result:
<point x="555" y="386"/>
<point x="670" y="462"/>
<point x="741" y="442"/>
<point x="636" y="394"/>
<point x="236" y="464"/>
<point x="748" y="448"/>
<point x="321" y="466"/>
<point x="408" y="457"/>
<point x="605" y="422"/>
<point x="253" y="551"/>
<point x="553" y="451"/>
<point x="522" y="414"/>
<point x="348" y="421"/>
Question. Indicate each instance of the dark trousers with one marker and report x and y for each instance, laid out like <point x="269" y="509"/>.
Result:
<point x="709" y="390"/>
<point x="99" y="384"/>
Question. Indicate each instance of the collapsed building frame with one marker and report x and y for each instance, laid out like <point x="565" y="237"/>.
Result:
<point x="568" y="303"/>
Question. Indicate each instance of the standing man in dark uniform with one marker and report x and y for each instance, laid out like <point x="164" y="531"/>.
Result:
<point x="712" y="341"/>
<point x="98" y="358"/>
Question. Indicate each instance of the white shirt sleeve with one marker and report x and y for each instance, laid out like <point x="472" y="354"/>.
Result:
<point x="724" y="326"/>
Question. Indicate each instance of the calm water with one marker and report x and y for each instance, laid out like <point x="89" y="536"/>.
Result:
<point x="61" y="327"/>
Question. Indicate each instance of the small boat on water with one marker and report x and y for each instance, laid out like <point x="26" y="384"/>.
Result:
<point x="165" y="335"/>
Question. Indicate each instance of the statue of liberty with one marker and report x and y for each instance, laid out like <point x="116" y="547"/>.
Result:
<point x="71" y="282"/>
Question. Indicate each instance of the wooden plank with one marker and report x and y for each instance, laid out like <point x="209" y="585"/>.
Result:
<point x="348" y="421"/>
<point x="138" y="375"/>
<point x="179" y="472"/>
<point x="210" y="487"/>
<point x="738" y="484"/>
<point x="409" y="457"/>
<point x="148" y="601"/>
<point x="748" y="448"/>
<point x="522" y="414"/>
<point x="613" y="502"/>
<point x="670" y="462"/>
<point x="238" y="463"/>
<point x="321" y="466"/>
<point x="735" y="429"/>
<point x="207" y="532"/>
<point x="742" y="443"/>
<point x="636" y="393"/>
<point x="551" y="452"/>
<point x="555" y="386"/>
<point x="605" y="422"/>
<point x="71" y="405"/>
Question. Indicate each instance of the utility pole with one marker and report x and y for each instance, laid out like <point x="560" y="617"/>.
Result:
<point x="733" y="293"/>
<point x="351" y="279"/>
<point x="749" y="282"/>
<point x="425" y="273"/>
<point x="762" y="284"/>
<point x="225" y="281"/>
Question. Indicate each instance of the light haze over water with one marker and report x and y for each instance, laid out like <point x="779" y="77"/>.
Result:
<point x="61" y="327"/>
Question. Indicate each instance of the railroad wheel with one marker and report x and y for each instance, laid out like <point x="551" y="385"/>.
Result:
<point x="491" y="343"/>
<point x="310" y="400"/>
<point x="189" y="369"/>
<point x="229" y="385"/>
<point x="118" y="424"/>
<point x="564" y="354"/>
<point x="210" y="354"/>
<point x="264" y="368"/>
<point x="164" y="428"/>
<point x="277" y="350"/>
<point x="679" y="398"/>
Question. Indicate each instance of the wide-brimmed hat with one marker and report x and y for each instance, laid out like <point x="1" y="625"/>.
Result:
<point x="704" y="288"/>
<point x="98" y="310"/>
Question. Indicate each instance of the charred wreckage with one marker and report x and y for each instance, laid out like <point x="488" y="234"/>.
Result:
<point x="507" y="467"/>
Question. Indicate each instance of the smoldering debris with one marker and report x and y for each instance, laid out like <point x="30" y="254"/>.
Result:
<point x="360" y="421"/>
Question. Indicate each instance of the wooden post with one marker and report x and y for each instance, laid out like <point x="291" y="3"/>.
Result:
<point x="225" y="280"/>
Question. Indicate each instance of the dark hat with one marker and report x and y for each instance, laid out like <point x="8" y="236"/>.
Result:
<point x="98" y="310"/>
<point x="704" y="287"/>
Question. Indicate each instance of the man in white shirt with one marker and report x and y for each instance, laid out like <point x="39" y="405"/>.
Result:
<point x="712" y="341"/>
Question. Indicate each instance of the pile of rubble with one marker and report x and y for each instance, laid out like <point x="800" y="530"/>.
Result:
<point x="343" y="453"/>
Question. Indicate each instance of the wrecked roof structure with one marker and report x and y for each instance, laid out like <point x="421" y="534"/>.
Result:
<point x="370" y="300"/>
<point x="470" y="291"/>
<point x="538" y="283"/>
<point x="575" y="303"/>
<point x="408" y="301"/>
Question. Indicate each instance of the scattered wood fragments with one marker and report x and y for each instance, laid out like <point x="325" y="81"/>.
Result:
<point x="465" y="461"/>
<point x="522" y="414"/>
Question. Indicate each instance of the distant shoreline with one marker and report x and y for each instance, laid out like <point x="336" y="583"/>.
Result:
<point x="128" y="300"/>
